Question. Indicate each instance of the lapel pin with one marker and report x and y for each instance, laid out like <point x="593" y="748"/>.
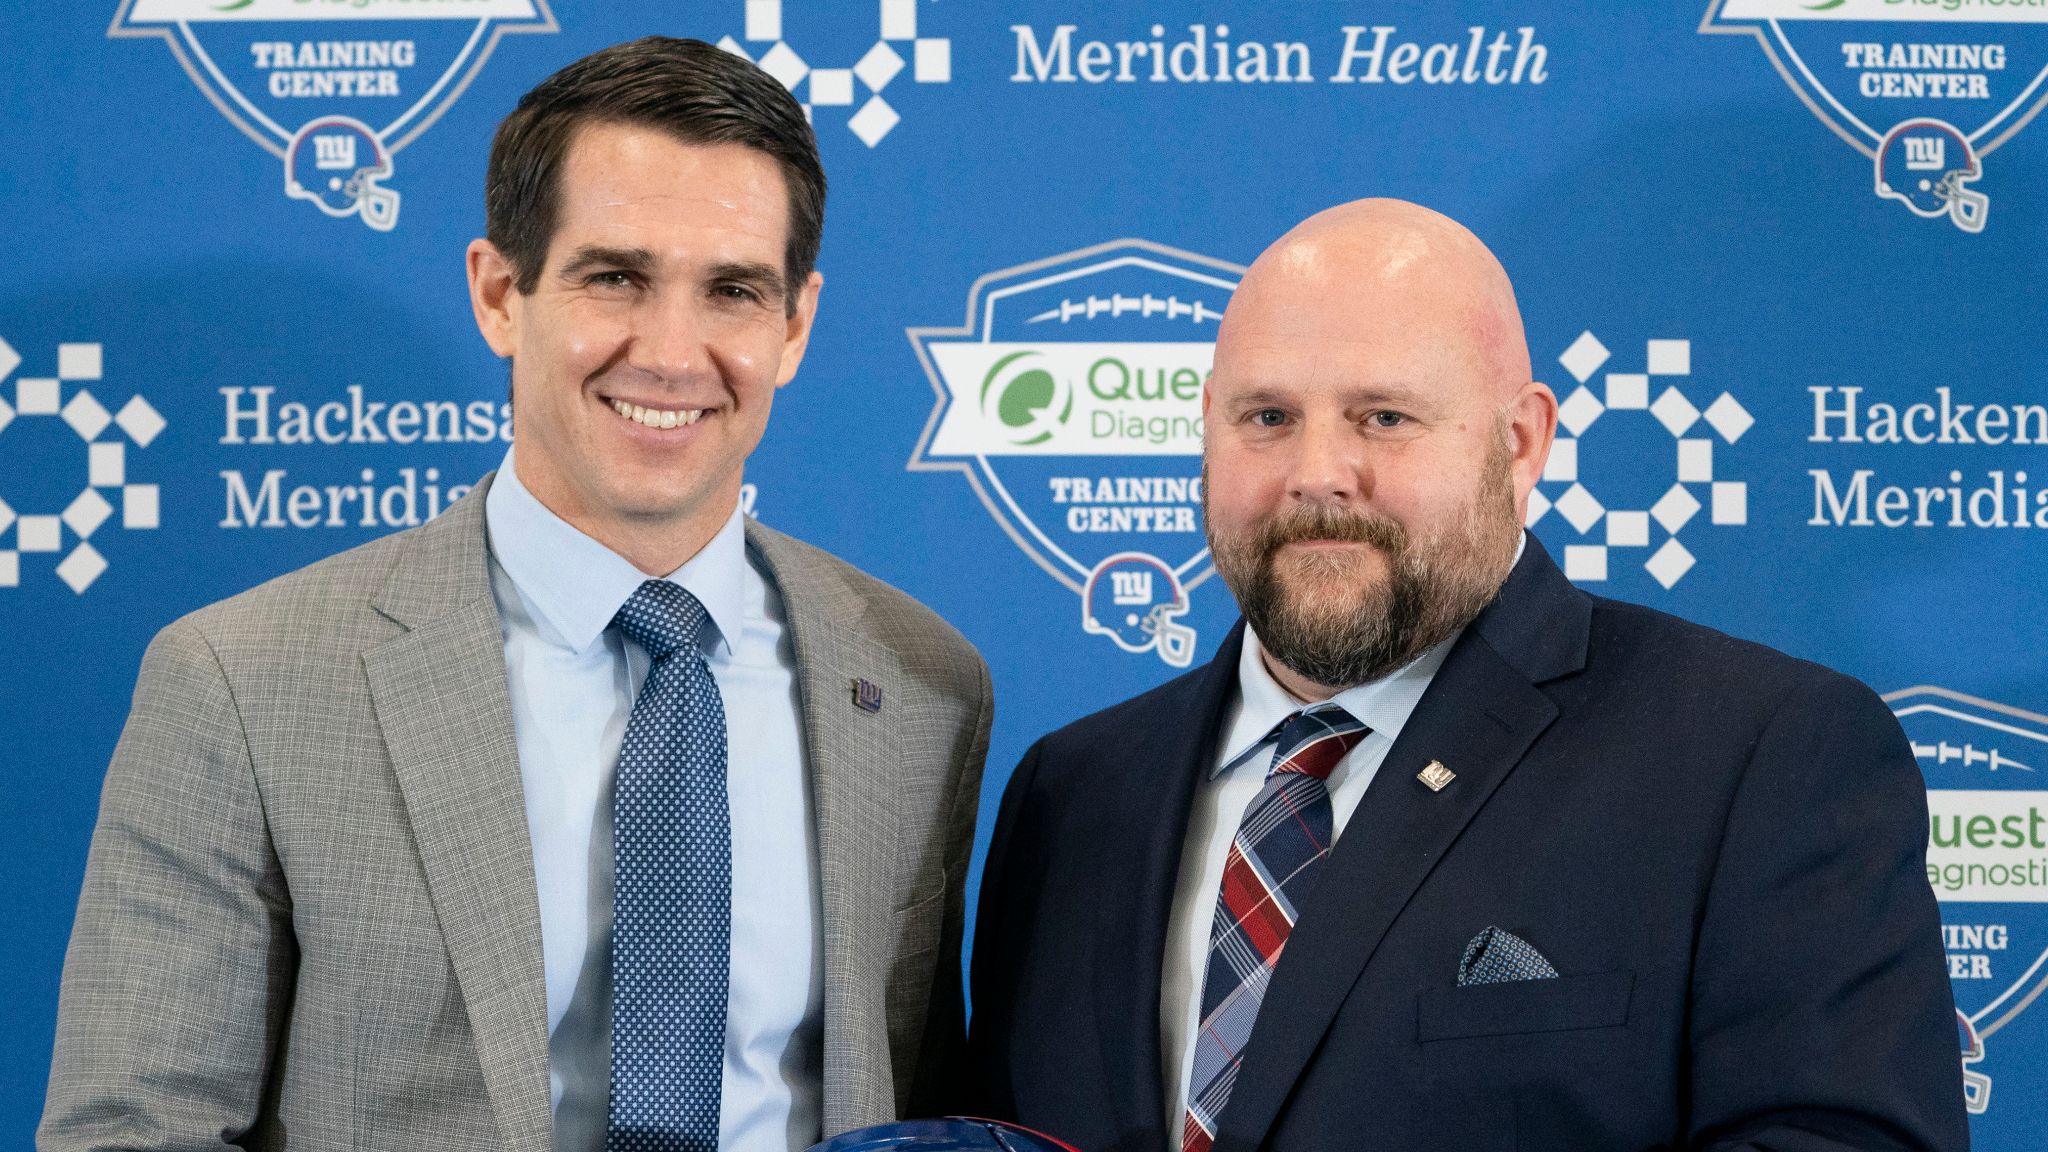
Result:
<point x="1436" y="776"/>
<point x="867" y="695"/>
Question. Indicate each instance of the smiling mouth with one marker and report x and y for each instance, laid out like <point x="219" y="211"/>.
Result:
<point x="658" y="417"/>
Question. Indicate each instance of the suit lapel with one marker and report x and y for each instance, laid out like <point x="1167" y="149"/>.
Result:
<point x="1154" y="793"/>
<point x="1479" y="716"/>
<point x="854" y="757"/>
<point x="441" y="700"/>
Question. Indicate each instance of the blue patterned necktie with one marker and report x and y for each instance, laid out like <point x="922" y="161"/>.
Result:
<point x="1286" y="832"/>
<point x="672" y="901"/>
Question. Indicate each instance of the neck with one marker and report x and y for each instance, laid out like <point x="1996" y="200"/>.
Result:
<point x="658" y="551"/>
<point x="1300" y="687"/>
<point x="657" y="546"/>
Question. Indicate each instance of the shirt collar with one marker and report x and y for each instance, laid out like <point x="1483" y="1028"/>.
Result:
<point x="575" y="585"/>
<point x="1383" y="705"/>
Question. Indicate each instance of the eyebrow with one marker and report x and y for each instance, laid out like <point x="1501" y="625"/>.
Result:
<point x="1372" y="394"/>
<point x="763" y="278"/>
<point x="598" y="256"/>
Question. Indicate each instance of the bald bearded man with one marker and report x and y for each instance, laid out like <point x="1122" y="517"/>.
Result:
<point x="1440" y="852"/>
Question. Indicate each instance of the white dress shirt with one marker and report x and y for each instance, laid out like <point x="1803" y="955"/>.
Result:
<point x="1243" y="756"/>
<point x="573" y="680"/>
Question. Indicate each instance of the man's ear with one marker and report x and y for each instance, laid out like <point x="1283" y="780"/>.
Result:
<point x="493" y="296"/>
<point x="797" y="335"/>
<point x="1532" y="417"/>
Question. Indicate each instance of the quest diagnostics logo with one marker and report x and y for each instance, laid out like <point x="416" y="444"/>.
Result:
<point x="1024" y="398"/>
<point x="64" y="466"/>
<point x="1071" y="400"/>
<point x="334" y="89"/>
<point x="1986" y="769"/>
<point x="1924" y="89"/>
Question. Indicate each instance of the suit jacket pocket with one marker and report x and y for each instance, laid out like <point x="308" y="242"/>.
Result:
<point x="1559" y="1004"/>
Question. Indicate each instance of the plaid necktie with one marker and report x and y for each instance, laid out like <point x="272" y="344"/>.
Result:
<point x="672" y="900"/>
<point x="1286" y="832"/>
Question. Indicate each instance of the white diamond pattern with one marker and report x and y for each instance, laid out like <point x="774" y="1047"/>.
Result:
<point x="1579" y="508"/>
<point x="1675" y="509"/>
<point x="785" y="65"/>
<point x="1675" y="412"/>
<point x="1728" y="417"/>
<point x="1669" y="564"/>
<point x="879" y="66"/>
<point x="41" y="533"/>
<point x="1584" y="357"/>
<point x="1579" y="410"/>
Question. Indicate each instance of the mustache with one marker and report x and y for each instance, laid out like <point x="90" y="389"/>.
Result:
<point x="1323" y="522"/>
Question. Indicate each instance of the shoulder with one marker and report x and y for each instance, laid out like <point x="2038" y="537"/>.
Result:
<point x="924" y="642"/>
<point x="1675" y="669"/>
<point x="1131" y="732"/>
<point x="306" y="609"/>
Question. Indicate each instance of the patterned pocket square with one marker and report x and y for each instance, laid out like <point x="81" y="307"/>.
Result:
<point x="1498" y="956"/>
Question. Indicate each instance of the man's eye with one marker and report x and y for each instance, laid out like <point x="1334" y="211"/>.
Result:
<point x="611" y="279"/>
<point x="1269" y="417"/>
<point x="1386" y="419"/>
<point x="734" y="292"/>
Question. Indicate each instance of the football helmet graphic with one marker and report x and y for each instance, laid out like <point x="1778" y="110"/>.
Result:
<point x="1926" y="165"/>
<point x="1976" y="1085"/>
<point x="1133" y="599"/>
<point x="336" y="162"/>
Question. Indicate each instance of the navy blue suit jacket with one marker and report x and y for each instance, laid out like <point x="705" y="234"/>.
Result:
<point x="1719" y="847"/>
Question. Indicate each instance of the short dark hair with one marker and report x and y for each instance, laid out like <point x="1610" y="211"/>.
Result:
<point x="696" y="92"/>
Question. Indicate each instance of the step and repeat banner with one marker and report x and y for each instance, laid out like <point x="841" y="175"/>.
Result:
<point x="1784" y="262"/>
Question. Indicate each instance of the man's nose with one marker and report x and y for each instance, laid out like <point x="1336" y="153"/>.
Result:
<point x="1329" y="463"/>
<point x="668" y="338"/>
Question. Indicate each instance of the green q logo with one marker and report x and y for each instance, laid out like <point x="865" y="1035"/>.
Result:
<point x="1025" y="401"/>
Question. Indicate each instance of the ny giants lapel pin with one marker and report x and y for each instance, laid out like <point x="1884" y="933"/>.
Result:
<point x="1436" y="776"/>
<point x="867" y="695"/>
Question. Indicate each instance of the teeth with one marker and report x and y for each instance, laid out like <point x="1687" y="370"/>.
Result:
<point x="656" y="417"/>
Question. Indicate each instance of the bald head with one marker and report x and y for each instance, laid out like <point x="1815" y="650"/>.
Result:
<point x="1371" y="437"/>
<point x="1385" y="266"/>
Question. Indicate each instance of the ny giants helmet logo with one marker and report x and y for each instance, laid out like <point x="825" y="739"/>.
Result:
<point x="1072" y="401"/>
<point x="334" y="90"/>
<point x="1927" y="165"/>
<point x="1924" y="90"/>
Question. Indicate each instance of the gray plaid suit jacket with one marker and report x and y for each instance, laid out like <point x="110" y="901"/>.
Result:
<point x="309" y="916"/>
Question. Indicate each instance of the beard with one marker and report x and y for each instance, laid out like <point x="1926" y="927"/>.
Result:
<point x="1328" y="618"/>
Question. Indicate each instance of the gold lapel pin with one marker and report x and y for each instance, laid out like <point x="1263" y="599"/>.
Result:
<point x="1436" y="776"/>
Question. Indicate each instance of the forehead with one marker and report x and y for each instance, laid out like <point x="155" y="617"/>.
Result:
<point x="1348" y="342"/>
<point x="625" y="183"/>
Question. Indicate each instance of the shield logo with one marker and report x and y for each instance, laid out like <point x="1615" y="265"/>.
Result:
<point x="1924" y="90"/>
<point x="1986" y="767"/>
<point x="332" y="89"/>
<point x="1071" y="399"/>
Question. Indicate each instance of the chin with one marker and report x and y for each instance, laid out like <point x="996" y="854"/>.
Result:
<point x="1329" y="597"/>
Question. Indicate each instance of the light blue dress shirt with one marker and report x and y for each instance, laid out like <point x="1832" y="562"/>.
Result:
<point x="573" y="680"/>
<point x="1243" y="756"/>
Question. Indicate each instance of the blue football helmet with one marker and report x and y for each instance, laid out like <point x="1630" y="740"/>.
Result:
<point x="1926" y="165"/>
<point x="1976" y="1085"/>
<point x="1133" y="598"/>
<point x="336" y="162"/>
<point x="956" y="1134"/>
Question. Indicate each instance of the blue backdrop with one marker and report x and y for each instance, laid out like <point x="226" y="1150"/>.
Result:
<point x="1785" y="265"/>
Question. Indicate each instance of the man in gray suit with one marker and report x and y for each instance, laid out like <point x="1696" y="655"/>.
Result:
<point x="590" y="815"/>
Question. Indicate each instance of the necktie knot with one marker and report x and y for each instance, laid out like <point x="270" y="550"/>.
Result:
<point x="1314" y="739"/>
<point x="662" y="617"/>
